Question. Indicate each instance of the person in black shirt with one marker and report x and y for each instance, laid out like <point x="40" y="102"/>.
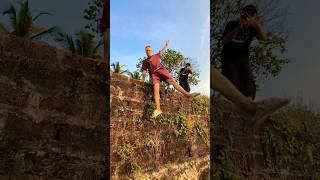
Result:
<point x="184" y="77"/>
<point x="237" y="38"/>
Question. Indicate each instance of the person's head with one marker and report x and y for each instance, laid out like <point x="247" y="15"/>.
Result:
<point x="249" y="11"/>
<point x="149" y="50"/>
<point x="188" y="65"/>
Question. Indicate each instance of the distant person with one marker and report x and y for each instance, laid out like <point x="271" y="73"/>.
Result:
<point x="184" y="77"/>
<point x="257" y="112"/>
<point x="237" y="38"/>
<point x="159" y="73"/>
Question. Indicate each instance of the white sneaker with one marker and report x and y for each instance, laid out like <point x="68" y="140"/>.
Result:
<point x="266" y="108"/>
<point x="194" y="94"/>
<point x="156" y="113"/>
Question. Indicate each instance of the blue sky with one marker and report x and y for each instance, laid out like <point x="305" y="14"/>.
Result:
<point x="185" y="23"/>
<point x="62" y="15"/>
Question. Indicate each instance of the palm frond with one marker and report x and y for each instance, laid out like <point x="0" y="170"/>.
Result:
<point x="40" y="14"/>
<point x="65" y="40"/>
<point x="24" y="23"/>
<point x="11" y="12"/>
<point x="135" y="75"/>
<point x="117" y="68"/>
<point x="86" y="43"/>
<point x="41" y="31"/>
<point x="98" y="46"/>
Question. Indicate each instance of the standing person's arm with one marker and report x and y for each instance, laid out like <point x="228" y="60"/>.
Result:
<point x="231" y="31"/>
<point x="182" y="70"/>
<point x="164" y="47"/>
<point x="262" y="33"/>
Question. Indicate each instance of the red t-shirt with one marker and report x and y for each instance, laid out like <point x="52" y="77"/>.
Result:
<point x="152" y="63"/>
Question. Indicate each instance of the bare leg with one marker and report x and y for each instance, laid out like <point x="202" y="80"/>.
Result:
<point x="225" y="87"/>
<point x="156" y="94"/>
<point x="178" y="87"/>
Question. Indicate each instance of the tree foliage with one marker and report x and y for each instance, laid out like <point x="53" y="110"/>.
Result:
<point x="93" y="14"/>
<point x="85" y="43"/>
<point x="136" y="75"/>
<point x="117" y="68"/>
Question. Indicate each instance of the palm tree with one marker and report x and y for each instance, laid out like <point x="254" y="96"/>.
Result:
<point x="22" y="22"/>
<point x="117" y="68"/>
<point x="84" y="44"/>
<point x="136" y="75"/>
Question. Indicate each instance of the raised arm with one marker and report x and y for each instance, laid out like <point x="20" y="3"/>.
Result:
<point x="228" y="36"/>
<point x="262" y="33"/>
<point x="164" y="47"/>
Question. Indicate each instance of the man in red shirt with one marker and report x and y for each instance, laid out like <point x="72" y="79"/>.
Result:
<point x="159" y="73"/>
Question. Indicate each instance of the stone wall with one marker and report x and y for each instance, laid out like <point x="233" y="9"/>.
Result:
<point x="52" y="109"/>
<point x="156" y="151"/>
<point x="53" y="113"/>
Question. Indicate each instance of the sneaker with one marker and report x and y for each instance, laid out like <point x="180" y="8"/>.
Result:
<point x="194" y="94"/>
<point x="266" y="108"/>
<point x="156" y="113"/>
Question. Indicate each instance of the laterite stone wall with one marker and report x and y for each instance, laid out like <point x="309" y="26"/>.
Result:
<point x="157" y="151"/>
<point x="52" y="109"/>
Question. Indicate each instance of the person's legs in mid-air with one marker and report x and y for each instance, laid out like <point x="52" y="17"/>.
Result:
<point x="226" y="88"/>
<point x="163" y="74"/>
<point x="178" y="87"/>
<point x="257" y="111"/>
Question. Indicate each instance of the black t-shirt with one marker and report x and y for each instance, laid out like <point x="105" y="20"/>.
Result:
<point x="239" y="46"/>
<point x="184" y="75"/>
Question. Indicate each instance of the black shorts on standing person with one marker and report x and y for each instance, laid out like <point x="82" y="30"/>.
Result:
<point x="184" y="77"/>
<point x="235" y="58"/>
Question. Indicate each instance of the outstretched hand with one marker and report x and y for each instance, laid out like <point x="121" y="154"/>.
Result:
<point x="164" y="47"/>
<point x="166" y="44"/>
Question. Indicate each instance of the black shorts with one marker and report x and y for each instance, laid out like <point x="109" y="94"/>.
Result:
<point x="185" y="85"/>
<point x="239" y="73"/>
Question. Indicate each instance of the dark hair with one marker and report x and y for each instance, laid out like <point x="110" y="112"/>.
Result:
<point x="249" y="9"/>
<point x="188" y="64"/>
